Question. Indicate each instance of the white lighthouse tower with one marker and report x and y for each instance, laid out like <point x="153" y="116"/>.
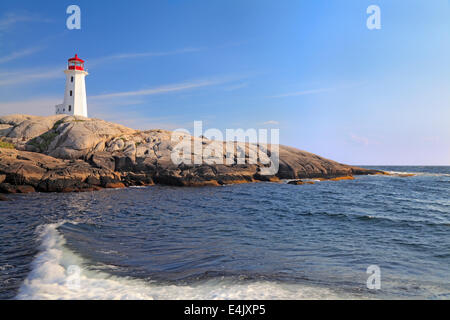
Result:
<point x="75" y="102"/>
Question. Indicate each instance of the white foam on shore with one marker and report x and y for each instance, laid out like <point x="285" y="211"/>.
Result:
<point x="49" y="280"/>
<point x="431" y="174"/>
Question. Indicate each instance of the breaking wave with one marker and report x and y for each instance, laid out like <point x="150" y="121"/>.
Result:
<point x="52" y="277"/>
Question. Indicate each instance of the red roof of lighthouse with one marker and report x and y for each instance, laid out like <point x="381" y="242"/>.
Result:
<point x="76" y="59"/>
<point x="76" y="63"/>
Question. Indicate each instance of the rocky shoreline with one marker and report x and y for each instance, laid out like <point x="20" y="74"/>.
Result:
<point x="71" y="154"/>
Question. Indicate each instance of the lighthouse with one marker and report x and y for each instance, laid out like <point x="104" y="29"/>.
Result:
<point x="75" y="102"/>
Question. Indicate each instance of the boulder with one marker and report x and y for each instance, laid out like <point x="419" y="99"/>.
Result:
<point x="137" y="179"/>
<point x="122" y="162"/>
<point x="5" y="129"/>
<point x="7" y="188"/>
<point x="77" y="138"/>
<point x="300" y="182"/>
<point x="258" y="176"/>
<point x="296" y="182"/>
<point x="25" y="189"/>
<point x="114" y="185"/>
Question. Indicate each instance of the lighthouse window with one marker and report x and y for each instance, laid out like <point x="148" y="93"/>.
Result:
<point x="70" y="108"/>
<point x="70" y="92"/>
<point x="71" y="79"/>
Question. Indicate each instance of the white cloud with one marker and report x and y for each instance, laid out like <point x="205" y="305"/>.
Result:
<point x="302" y="93"/>
<point x="44" y="106"/>
<point x="8" y="20"/>
<point x="236" y="86"/>
<point x="25" y="76"/>
<point x="320" y="90"/>
<point x="165" y="89"/>
<point x="101" y="60"/>
<point x="19" y="54"/>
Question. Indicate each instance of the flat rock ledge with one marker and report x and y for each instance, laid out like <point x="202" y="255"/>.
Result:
<point x="74" y="154"/>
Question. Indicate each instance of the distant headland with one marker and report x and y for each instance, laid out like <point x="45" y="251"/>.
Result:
<point x="63" y="153"/>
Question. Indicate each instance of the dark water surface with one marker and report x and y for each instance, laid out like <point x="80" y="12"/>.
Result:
<point x="259" y="240"/>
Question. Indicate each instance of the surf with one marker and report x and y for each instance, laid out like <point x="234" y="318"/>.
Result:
<point x="50" y="279"/>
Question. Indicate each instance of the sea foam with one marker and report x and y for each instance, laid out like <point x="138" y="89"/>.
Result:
<point x="48" y="279"/>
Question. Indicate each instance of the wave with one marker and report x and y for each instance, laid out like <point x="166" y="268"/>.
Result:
<point x="414" y="173"/>
<point x="377" y="218"/>
<point x="59" y="273"/>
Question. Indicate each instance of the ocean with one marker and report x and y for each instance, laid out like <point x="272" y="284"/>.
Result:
<point x="248" y="241"/>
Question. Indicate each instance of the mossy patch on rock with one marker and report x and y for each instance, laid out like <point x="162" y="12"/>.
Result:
<point x="44" y="140"/>
<point x="6" y="145"/>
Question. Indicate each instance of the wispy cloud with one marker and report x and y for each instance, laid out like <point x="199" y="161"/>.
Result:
<point x="19" y="54"/>
<point x="24" y="76"/>
<point x="121" y="56"/>
<point x="302" y="93"/>
<point x="103" y="103"/>
<point x="166" y="89"/>
<point x="8" y="20"/>
<point x="236" y="86"/>
<point x="320" y="90"/>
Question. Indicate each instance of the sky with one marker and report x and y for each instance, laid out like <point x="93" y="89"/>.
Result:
<point x="311" y="69"/>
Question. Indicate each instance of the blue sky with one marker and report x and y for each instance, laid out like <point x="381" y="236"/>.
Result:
<point x="310" y="68"/>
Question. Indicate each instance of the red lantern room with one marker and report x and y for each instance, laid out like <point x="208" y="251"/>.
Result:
<point x="76" y="63"/>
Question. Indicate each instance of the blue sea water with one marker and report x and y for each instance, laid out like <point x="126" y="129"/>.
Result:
<point x="249" y="241"/>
